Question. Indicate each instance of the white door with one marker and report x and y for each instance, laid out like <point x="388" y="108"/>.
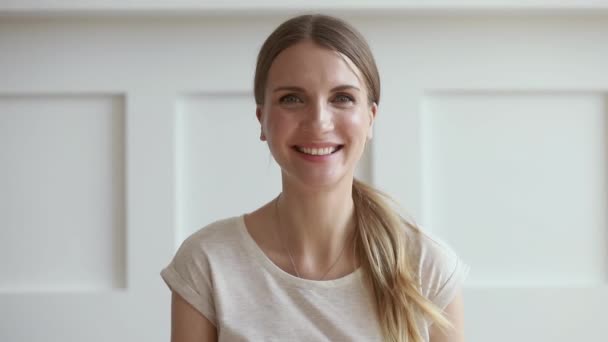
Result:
<point x="120" y="136"/>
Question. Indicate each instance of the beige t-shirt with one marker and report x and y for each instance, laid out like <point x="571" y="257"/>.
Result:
<point x="222" y="272"/>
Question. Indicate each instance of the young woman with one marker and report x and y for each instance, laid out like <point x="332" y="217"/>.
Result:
<point x="328" y="259"/>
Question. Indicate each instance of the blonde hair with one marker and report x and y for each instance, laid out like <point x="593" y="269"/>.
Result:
<point x="381" y="245"/>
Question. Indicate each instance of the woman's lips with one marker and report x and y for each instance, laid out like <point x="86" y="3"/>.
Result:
<point x="317" y="151"/>
<point x="318" y="154"/>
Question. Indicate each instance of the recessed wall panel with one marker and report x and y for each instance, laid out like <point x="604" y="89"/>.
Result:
<point x="61" y="193"/>
<point x="516" y="182"/>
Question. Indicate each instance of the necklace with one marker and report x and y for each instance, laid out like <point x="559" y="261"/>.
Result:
<point x="289" y="253"/>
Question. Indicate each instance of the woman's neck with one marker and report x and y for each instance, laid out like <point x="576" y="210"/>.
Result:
<point x="316" y="225"/>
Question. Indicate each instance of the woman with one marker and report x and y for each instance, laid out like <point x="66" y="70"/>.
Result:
<point x="328" y="259"/>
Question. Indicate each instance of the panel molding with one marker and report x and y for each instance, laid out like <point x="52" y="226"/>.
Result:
<point x="68" y="146"/>
<point x="264" y="7"/>
<point x="538" y="177"/>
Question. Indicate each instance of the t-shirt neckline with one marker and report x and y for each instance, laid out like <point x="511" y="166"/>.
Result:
<point x="257" y="253"/>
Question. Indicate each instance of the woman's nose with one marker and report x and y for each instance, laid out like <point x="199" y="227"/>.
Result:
<point x="319" y="118"/>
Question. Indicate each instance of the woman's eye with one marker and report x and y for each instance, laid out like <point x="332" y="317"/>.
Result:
<point x="341" y="98"/>
<point x="290" y="99"/>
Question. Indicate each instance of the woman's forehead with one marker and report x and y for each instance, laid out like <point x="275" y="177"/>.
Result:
<point x="307" y="63"/>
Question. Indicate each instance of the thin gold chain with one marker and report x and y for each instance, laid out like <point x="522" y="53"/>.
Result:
<point x="287" y="249"/>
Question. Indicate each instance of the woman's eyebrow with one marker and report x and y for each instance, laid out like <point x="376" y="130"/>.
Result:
<point x="288" y="88"/>
<point x="345" y="87"/>
<point x="298" y="89"/>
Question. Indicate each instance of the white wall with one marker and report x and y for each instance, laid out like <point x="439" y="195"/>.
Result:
<point x="122" y="134"/>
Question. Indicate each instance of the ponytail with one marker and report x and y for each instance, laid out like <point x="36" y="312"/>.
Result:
<point x="382" y="249"/>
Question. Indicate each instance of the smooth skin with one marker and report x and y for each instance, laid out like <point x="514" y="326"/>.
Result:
<point x="188" y="324"/>
<point x="454" y="312"/>
<point x="314" y="97"/>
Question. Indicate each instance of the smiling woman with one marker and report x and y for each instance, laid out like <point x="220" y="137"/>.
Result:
<point x="315" y="109"/>
<point x="328" y="259"/>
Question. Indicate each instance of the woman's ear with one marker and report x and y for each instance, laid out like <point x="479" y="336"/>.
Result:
<point x="372" y="117"/>
<point x="258" y="114"/>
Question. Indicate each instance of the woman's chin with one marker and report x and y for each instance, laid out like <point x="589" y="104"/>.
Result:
<point x="321" y="181"/>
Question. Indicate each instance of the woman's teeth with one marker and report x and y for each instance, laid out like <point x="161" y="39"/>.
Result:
<point x="317" y="151"/>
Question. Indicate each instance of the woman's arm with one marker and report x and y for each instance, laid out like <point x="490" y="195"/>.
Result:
<point x="189" y="325"/>
<point x="454" y="313"/>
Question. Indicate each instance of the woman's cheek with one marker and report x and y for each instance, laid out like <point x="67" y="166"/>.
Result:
<point x="355" y="122"/>
<point x="279" y="128"/>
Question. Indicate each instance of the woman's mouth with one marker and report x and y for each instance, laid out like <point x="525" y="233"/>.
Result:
<point x="323" y="151"/>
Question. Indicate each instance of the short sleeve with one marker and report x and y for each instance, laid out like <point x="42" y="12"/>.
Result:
<point x="189" y="275"/>
<point x="441" y="271"/>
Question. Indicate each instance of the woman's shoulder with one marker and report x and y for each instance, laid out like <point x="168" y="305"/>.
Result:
<point x="220" y="234"/>
<point x="441" y="271"/>
<point x="430" y="247"/>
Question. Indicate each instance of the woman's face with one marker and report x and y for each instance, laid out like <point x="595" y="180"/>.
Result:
<point x="316" y="116"/>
